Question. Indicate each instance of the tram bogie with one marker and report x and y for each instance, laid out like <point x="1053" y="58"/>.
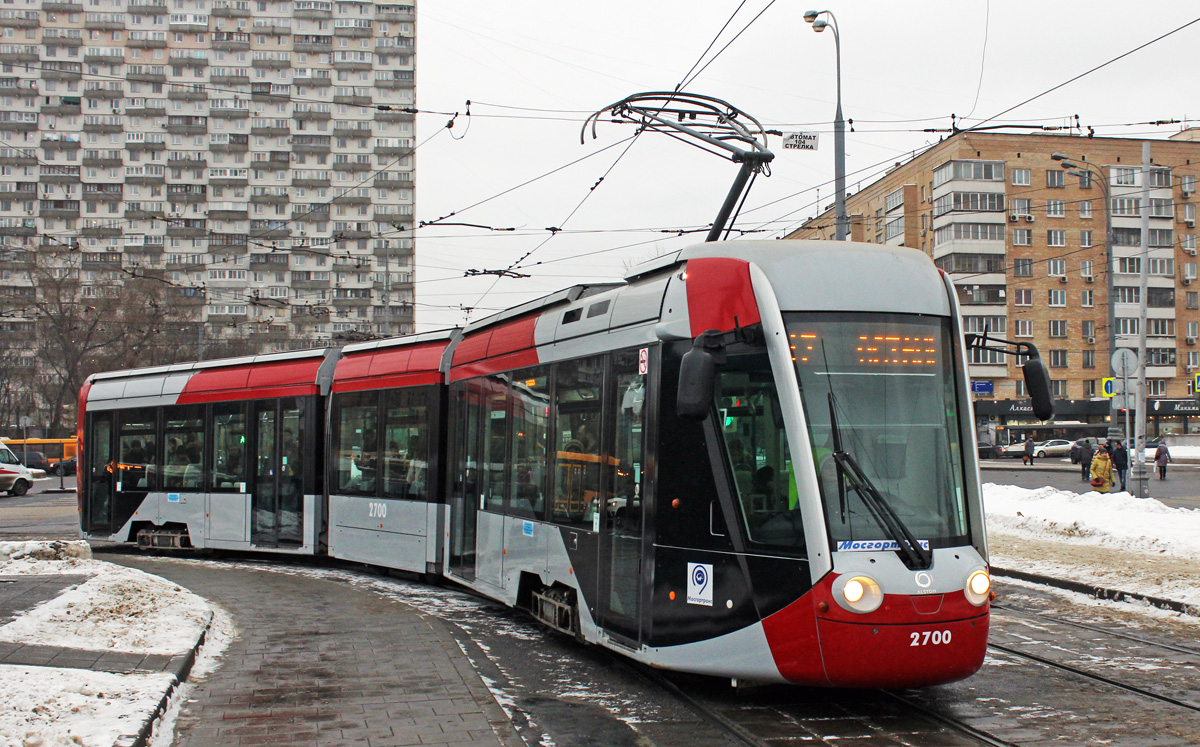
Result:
<point x="753" y="460"/>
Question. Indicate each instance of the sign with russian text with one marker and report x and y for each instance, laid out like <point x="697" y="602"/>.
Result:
<point x="800" y="141"/>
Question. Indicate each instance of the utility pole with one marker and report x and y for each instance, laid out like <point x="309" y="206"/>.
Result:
<point x="1139" y="474"/>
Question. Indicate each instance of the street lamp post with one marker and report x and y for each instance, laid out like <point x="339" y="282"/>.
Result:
<point x="841" y="221"/>
<point x="1078" y="167"/>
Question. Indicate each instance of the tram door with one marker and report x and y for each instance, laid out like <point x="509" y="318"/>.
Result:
<point x="98" y="473"/>
<point x="621" y="549"/>
<point x="466" y="402"/>
<point x="277" y="497"/>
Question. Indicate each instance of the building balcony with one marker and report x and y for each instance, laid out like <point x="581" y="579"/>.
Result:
<point x="311" y="182"/>
<point x="182" y="94"/>
<point x="104" y="163"/>
<point x="313" y="116"/>
<point x="97" y="232"/>
<point x="144" y="179"/>
<point x="104" y="129"/>
<point x="271" y="131"/>
<point x="271" y="64"/>
<point x="187" y="198"/>
<point x="228" y="11"/>
<point x="145" y="146"/>
<point x="229" y="113"/>
<point x="352" y="100"/>
<point x="104" y="94"/>
<point x="270" y="199"/>
<point x="230" y="80"/>
<point x="61" y="7"/>
<point x="55" y="143"/>
<point x="313" y="48"/>
<point x="353" y="31"/>
<point x="146" y="43"/>
<point x="228" y="215"/>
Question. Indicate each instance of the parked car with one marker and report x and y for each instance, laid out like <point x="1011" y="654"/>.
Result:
<point x="15" y="478"/>
<point x="1052" y="448"/>
<point x="34" y="460"/>
<point x="1016" y="450"/>
<point x="988" y="450"/>
<point x="63" y="467"/>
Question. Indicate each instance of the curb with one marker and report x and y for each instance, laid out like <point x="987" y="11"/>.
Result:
<point x="1100" y="592"/>
<point x="182" y="667"/>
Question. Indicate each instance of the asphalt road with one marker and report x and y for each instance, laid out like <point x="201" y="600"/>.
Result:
<point x="1181" y="489"/>
<point x="46" y="512"/>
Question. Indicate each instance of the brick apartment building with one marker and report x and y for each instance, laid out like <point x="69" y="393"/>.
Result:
<point x="258" y="149"/>
<point x="1023" y="240"/>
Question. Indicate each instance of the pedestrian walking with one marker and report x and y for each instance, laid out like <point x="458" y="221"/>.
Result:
<point x="1120" y="460"/>
<point x="1162" y="455"/>
<point x="1029" y="447"/>
<point x="1102" y="470"/>
<point x="1085" y="458"/>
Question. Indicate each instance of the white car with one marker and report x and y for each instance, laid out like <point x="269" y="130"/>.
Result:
<point x="1052" y="448"/>
<point x="15" y="478"/>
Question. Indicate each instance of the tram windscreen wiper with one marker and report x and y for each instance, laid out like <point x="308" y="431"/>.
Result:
<point x="848" y="469"/>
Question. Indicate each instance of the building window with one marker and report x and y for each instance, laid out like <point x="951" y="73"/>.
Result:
<point x="1087" y="299"/>
<point x="1160" y="177"/>
<point x="1056" y="178"/>
<point x="1156" y="387"/>
<point x="1019" y="388"/>
<point x="1085" y="268"/>
<point x="1085" y="239"/>
<point x="1088" y="328"/>
<point x="1056" y="267"/>
<point x="1085" y="180"/>
<point x="1193" y="300"/>
<point x="1020" y="177"/>
<point x="1058" y="327"/>
<point x="1089" y="389"/>
<point x="1022" y="206"/>
<point x="1187" y="183"/>
<point x="1023" y="328"/>
<point x="1125" y="294"/>
<point x="1127" y="326"/>
<point x="1056" y="237"/>
<point x="1089" y="358"/>
<point x="1085" y="209"/>
<point x="1125" y="176"/>
<point x="1056" y="208"/>
<point x="1058" y="297"/>
<point x="1058" y="388"/>
<point x="1023" y="268"/>
<point x="1023" y="297"/>
<point x="1058" y="359"/>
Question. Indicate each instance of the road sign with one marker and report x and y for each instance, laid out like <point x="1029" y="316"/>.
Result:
<point x="1111" y="386"/>
<point x="982" y="387"/>
<point x="800" y="141"/>
<point x="1124" y="362"/>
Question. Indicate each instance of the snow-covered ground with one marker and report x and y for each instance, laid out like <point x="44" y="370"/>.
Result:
<point x="1113" y="540"/>
<point x="116" y="609"/>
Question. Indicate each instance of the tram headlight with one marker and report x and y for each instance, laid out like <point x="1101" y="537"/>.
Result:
<point x="860" y="594"/>
<point x="978" y="588"/>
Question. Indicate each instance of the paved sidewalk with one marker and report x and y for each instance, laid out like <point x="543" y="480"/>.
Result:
<point x="318" y="662"/>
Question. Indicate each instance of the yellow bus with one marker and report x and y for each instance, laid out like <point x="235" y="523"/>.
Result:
<point x="55" y="449"/>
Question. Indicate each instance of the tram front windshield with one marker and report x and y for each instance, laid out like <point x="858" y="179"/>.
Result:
<point x="881" y="387"/>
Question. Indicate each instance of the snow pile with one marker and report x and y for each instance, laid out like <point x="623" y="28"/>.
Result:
<point x="36" y="550"/>
<point x="1113" y="539"/>
<point x="118" y="609"/>
<point x="46" y="706"/>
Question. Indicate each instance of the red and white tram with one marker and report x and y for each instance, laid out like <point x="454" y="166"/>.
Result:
<point x="753" y="459"/>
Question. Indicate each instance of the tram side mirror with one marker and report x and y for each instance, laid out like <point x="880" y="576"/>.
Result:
<point x="1037" y="383"/>
<point x="696" y="376"/>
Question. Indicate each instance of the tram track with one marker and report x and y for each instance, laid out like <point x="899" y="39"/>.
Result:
<point x="1097" y="629"/>
<point x="1095" y="677"/>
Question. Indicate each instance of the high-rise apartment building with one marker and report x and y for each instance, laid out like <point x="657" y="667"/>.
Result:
<point x="257" y="151"/>
<point x="1023" y="240"/>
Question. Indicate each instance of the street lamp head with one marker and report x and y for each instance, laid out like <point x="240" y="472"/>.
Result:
<point x="1069" y="165"/>
<point x="811" y="15"/>
<point x="1059" y="157"/>
<point x="819" y="26"/>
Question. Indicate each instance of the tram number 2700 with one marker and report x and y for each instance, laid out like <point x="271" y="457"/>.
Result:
<point x="935" y="637"/>
<point x="379" y="511"/>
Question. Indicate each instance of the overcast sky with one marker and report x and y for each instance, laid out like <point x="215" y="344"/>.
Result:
<point x="534" y="69"/>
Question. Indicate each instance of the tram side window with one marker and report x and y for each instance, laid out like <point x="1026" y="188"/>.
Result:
<point x="577" y="440"/>
<point x="183" y="447"/>
<point x="757" y="451"/>
<point x="356" y="442"/>
<point x="625" y="467"/>
<point x="406" y="440"/>
<point x="495" y="438"/>
<point x="136" y="463"/>
<point x="229" y="448"/>
<point x="531" y="417"/>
